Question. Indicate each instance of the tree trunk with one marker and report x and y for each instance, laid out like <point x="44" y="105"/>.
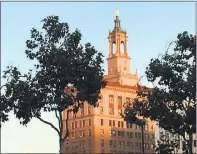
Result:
<point x="190" y="141"/>
<point x="60" y="145"/>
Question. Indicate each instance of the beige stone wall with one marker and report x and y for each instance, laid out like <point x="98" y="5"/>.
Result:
<point x="120" y="82"/>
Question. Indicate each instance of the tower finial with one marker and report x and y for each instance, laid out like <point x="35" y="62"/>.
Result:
<point x="117" y="12"/>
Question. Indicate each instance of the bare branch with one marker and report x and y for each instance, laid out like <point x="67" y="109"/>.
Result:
<point x="48" y="123"/>
<point x="61" y="121"/>
<point x="3" y="86"/>
<point x="57" y="118"/>
<point x="166" y="52"/>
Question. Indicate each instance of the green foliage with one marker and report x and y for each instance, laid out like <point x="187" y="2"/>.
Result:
<point x="60" y="61"/>
<point x="167" y="146"/>
<point x="172" y="101"/>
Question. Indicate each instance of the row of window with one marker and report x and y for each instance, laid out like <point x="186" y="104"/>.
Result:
<point x="81" y="133"/>
<point x="120" y="105"/>
<point x="81" y="144"/>
<point x="112" y="123"/>
<point x="81" y="124"/>
<point x="129" y="135"/>
<point x="113" y="144"/>
<point x="111" y="151"/>
<point x="120" y="152"/>
<point x="111" y="106"/>
<point x="128" y="144"/>
<point x="120" y="134"/>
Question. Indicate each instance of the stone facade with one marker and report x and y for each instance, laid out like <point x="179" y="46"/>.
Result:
<point x="102" y="129"/>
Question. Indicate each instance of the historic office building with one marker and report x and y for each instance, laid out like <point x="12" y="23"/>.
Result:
<point x="102" y="129"/>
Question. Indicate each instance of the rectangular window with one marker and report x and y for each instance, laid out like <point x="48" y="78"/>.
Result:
<point x="89" y="109"/>
<point x="111" y="99"/>
<point x="119" y="112"/>
<point x="84" y="144"/>
<point x="90" y="143"/>
<point x="114" y="143"/>
<point x="136" y="126"/>
<point x="83" y="123"/>
<point x="101" y="122"/>
<point x="127" y="100"/>
<point x="119" y="144"/>
<point x="123" y="144"/>
<point x="111" y="104"/>
<point x="128" y="144"/>
<point x="152" y="146"/>
<point x="146" y="136"/>
<point x="139" y="135"/>
<point x="110" y="143"/>
<point x="82" y="109"/>
<point x="89" y="122"/>
<point x="80" y="133"/>
<point x="128" y="125"/>
<point x="80" y="124"/>
<point x="111" y="110"/>
<point x="147" y="146"/>
<point x="131" y="134"/>
<point x="101" y="110"/>
<point x="122" y="124"/>
<point x="122" y="134"/>
<point x="127" y="134"/>
<point x="146" y="127"/>
<point x="102" y="132"/>
<point x="72" y="134"/>
<point x="84" y="133"/>
<point x="152" y="128"/>
<point x="81" y="143"/>
<point x="119" y="133"/>
<point x="151" y="136"/>
<point x="114" y="133"/>
<point x="120" y="101"/>
<point x="114" y="123"/>
<point x="89" y="132"/>
<point x="137" y="146"/>
<point x="194" y="143"/>
<point x="75" y="124"/>
<point x="118" y="123"/>
<point x="110" y="122"/>
<point x="136" y="135"/>
<point x="119" y="105"/>
<point x="110" y="133"/>
<point x="73" y="145"/>
<point x="102" y="143"/>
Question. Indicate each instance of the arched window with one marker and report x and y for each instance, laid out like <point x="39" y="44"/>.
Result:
<point x="122" y="47"/>
<point x="113" y="47"/>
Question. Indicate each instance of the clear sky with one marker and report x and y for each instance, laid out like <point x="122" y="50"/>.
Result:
<point x="150" y="27"/>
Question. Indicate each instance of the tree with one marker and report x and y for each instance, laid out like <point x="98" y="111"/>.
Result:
<point x="166" y="146"/>
<point x="61" y="62"/>
<point x="172" y="100"/>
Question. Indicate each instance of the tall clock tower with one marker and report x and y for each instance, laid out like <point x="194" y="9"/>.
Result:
<point x="118" y="59"/>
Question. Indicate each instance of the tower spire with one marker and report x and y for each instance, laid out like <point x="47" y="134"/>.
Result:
<point x="117" y="12"/>
<point x="117" y="26"/>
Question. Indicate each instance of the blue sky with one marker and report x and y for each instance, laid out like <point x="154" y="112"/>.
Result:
<point x="150" y="27"/>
